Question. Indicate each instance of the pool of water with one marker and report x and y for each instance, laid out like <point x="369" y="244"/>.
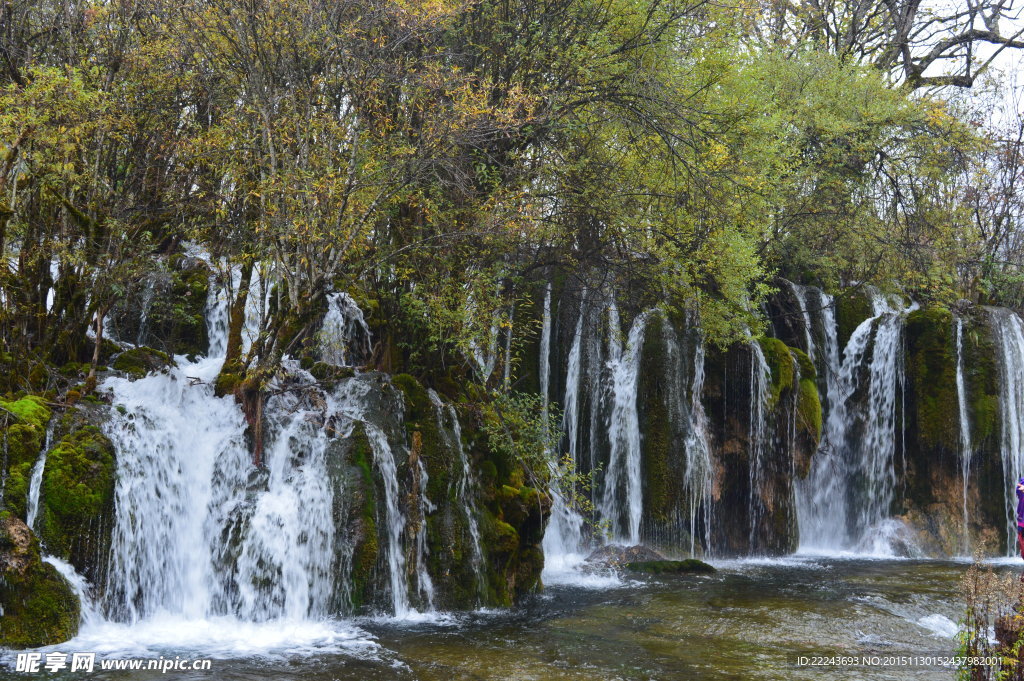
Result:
<point x="752" y="619"/>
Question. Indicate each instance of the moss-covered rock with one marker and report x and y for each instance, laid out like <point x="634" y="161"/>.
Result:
<point x="37" y="604"/>
<point x="361" y="521"/>
<point x="138" y="362"/>
<point x="23" y="432"/>
<point x="852" y="307"/>
<point x="783" y="367"/>
<point x="77" y="499"/>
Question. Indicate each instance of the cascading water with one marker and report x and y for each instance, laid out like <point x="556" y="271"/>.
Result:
<point x="1009" y="334"/>
<point x="200" y="532"/>
<point x="344" y="336"/>
<point x="801" y="301"/>
<point x="760" y="380"/>
<point x="966" y="450"/>
<point x="563" y="537"/>
<point x="622" y="500"/>
<point x="36" y="481"/>
<point x="844" y="504"/>
<point x="424" y="583"/>
<point x="465" y="488"/>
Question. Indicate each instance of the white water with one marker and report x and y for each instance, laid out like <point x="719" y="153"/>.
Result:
<point x="758" y="430"/>
<point x="966" y="449"/>
<point x="801" y="301"/>
<point x="1009" y="335"/>
<point x="844" y="503"/>
<point x="80" y="587"/>
<point x="424" y="583"/>
<point x="344" y="337"/>
<point x="36" y="481"/>
<point x="203" y="538"/>
<point x="563" y="543"/>
<point x="622" y="498"/>
<point x="394" y="520"/>
<point x="698" y="458"/>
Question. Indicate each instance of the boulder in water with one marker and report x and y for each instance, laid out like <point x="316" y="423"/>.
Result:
<point x="39" y="607"/>
<point x="615" y="555"/>
<point x="690" y="566"/>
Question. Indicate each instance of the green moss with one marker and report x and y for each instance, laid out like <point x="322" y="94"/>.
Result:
<point x="931" y="367"/>
<point x="656" y="423"/>
<point x="852" y="307"/>
<point x="808" y="408"/>
<point x="803" y="361"/>
<point x="328" y="373"/>
<point x="782" y="366"/>
<point x="39" y="607"/>
<point x="31" y="410"/>
<point x="77" y="492"/>
<point x="660" y="567"/>
<point x="23" y="439"/>
<point x="138" y="362"/>
<point x="367" y="548"/>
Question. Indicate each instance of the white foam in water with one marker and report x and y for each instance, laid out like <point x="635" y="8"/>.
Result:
<point x="940" y="625"/>
<point x="570" y="569"/>
<point x="221" y="637"/>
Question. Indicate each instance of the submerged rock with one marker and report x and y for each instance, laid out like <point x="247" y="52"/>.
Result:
<point x="39" y="607"/>
<point x="662" y="567"/>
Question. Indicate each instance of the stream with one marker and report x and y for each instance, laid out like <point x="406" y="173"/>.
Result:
<point x="751" y="619"/>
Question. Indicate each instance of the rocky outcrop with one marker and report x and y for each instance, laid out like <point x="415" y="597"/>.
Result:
<point x="37" y="605"/>
<point x="932" y="502"/>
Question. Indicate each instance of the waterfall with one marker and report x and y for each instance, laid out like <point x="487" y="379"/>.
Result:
<point x="168" y="436"/>
<point x="218" y="307"/>
<point x="344" y="337"/>
<point x="622" y="501"/>
<point x="759" y="434"/>
<point x="831" y="367"/>
<point x="844" y="504"/>
<point x="200" y="532"/>
<point x="465" y="488"/>
<point x="424" y="506"/>
<point x="1009" y="334"/>
<point x="698" y="455"/>
<point x="545" y="351"/>
<point x="217" y="318"/>
<point x="563" y="537"/>
<point x="80" y="587"/>
<point x="36" y="481"/>
<point x="801" y="301"/>
<point x="384" y="458"/>
<point x="147" y="304"/>
<point x="965" y="429"/>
